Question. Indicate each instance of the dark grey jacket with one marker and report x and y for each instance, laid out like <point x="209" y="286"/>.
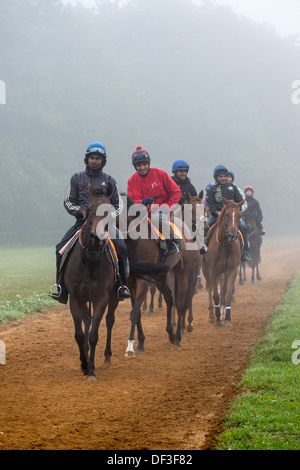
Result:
<point x="217" y="191"/>
<point x="78" y="196"/>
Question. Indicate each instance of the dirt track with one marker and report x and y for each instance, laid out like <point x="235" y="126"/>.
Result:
<point x="164" y="399"/>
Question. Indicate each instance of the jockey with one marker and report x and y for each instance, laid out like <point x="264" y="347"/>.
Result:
<point x="153" y="185"/>
<point x="253" y="204"/>
<point x="180" y="169"/>
<point x="76" y="203"/>
<point x="230" y="179"/>
<point x="219" y="189"/>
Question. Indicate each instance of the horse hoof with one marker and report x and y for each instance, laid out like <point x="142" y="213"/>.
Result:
<point x="91" y="378"/>
<point x="211" y="319"/>
<point x="189" y="328"/>
<point x="151" y="313"/>
<point x="218" y="323"/>
<point x="84" y="370"/>
<point x="228" y="324"/>
<point x="139" y="351"/>
<point x="130" y="354"/>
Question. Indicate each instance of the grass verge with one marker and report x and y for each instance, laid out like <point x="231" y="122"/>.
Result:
<point x="25" y="277"/>
<point x="266" y="416"/>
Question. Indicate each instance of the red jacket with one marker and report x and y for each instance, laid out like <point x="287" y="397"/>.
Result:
<point x="156" y="182"/>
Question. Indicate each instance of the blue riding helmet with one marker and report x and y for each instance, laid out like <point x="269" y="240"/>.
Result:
<point x="219" y="170"/>
<point x="96" y="148"/>
<point x="180" y="165"/>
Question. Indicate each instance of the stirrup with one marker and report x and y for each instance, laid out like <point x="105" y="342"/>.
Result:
<point x="203" y="249"/>
<point x="55" y="295"/>
<point x="123" y="293"/>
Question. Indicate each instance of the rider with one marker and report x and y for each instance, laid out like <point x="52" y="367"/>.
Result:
<point x="76" y="203"/>
<point x="230" y="179"/>
<point x="253" y="204"/>
<point x="219" y="189"/>
<point x="180" y="169"/>
<point x="149" y="185"/>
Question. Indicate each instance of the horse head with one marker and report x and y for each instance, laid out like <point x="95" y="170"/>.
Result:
<point x="191" y="205"/>
<point x="229" y="218"/>
<point x="94" y="231"/>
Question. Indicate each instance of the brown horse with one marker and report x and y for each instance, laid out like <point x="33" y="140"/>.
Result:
<point x="221" y="262"/>
<point x="188" y="271"/>
<point x="146" y="267"/>
<point x="90" y="278"/>
<point x="255" y="242"/>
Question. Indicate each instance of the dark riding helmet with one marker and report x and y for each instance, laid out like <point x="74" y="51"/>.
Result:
<point x="140" y="156"/>
<point x="220" y="169"/>
<point x="180" y="165"/>
<point x="96" y="148"/>
<point x="230" y="173"/>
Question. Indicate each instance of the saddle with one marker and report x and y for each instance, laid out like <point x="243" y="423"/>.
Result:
<point x="67" y="249"/>
<point x="175" y="239"/>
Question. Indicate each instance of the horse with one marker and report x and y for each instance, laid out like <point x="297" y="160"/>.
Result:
<point x="255" y="242"/>
<point x="152" y="290"/>
<point x="221" y="262"/>
<point x="89" y="277"/>
<point x="146" y="267"/>
<point x="191" y="259"/>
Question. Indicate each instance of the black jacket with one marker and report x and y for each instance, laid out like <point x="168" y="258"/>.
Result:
<point x="185" y="186"/>
<point x="78" y="196"/>
<point x="253" y="205"/>
<point x="216" y="191"/>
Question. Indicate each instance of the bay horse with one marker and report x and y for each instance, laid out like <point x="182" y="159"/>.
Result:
<point x="221" y="262"/>
<point x="89" y="277"/>
<point x="255" y="242"/>
<point x="145" y="259"/>
<point x="191" y="258"/>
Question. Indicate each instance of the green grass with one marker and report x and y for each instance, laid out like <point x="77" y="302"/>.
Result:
<point x="266" y="415"/>
<point x="25" y="277"/>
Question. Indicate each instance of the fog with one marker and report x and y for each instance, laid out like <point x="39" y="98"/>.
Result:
<point x="184" y="81"/>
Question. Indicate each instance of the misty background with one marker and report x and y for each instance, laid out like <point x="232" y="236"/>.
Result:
<point x="184" y="81"/>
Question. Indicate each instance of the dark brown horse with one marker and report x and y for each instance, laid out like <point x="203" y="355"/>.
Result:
<point x="89" y="278"/>
<point x="221" y="262"/>
<point x="191" y="259"/>
<point x="146" y="267"/>
<point x="255" y="242"/>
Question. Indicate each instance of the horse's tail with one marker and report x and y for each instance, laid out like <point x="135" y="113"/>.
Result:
<point x="152" y="269"/>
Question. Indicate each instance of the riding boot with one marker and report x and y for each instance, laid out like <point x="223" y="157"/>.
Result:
<point x="121" y="287"/>
<point x="61" y="294"/>
<point x="245" y="253"/>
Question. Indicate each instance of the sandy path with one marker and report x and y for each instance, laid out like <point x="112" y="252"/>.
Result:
<point x="164" y="399"/>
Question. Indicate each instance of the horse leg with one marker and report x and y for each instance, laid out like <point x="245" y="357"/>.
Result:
<point x="110" y="320"/>
<point x="216" y="298"/>
<point x="76" y="311"/>
<point x="93" y="339"/>
<point x="167" y="295"/>
<point x="160" y="300"/>
<point x="151" y="306"/>
<point x="228" y="296"/>
<point x="258" y="276"/>
<point x="252" y="276"/>
<point x="241" y="275"/>
<point x="135" y="318"/>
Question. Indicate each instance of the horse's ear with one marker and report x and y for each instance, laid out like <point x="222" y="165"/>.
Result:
<point x="187" y="196"/>
<point x="241" y="203"/>
<point x="91" y="189"/>
<point x="201" y="194"/>
<point x="225" y="201"/>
